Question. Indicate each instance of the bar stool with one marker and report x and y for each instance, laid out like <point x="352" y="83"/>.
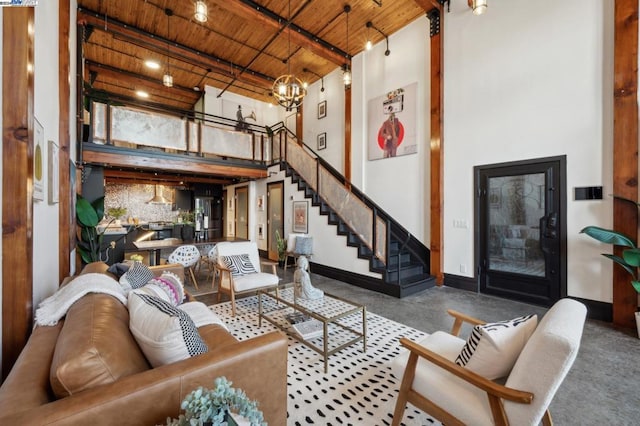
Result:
<point x="187" y="256"/>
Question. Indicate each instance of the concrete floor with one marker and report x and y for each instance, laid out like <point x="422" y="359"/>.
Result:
<point x="601" y="388"/>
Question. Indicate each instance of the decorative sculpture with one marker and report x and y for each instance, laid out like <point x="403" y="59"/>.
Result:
<point x="302" y="281"/>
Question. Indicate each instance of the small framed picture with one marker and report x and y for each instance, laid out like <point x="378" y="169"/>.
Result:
<point x="322" y="109"/>
<point x="260" y="202"/>
<point x="301" y="216"/>
<point x="322" y="141"/>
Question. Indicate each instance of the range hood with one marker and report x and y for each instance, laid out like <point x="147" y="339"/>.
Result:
<point x="158" y="198"/>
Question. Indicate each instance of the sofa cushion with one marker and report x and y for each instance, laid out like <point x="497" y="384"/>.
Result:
<point x="492" y="349"/>
<point x="95" y="346"/>
<point x="165" y="333"/>
<point x="252" y="281"/>
<point x="138" y="275"/>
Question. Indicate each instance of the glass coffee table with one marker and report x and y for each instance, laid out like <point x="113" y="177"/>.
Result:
<point x="342" y="322"/>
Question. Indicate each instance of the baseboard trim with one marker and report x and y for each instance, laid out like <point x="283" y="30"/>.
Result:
<point x="601" y="311"/>
<point x="358" y="280"/>
<point x="461" y="283"/>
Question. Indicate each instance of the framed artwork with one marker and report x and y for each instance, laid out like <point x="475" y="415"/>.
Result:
<point x="261" y="203"/>
<point x="322" y="109"/>
<point x="322" y="141"/>
<point x="301" y="216"/>
<point x="38" y="161"/>
<point x="230" y="203"/>
<point x="261" y="231"/>
<point x="53" y="173"/>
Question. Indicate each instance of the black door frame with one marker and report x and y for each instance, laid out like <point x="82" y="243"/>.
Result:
<point x="511" y="168"/>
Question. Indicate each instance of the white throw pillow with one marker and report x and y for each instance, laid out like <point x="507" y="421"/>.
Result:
<point x="492" y="349"/>
<point x="164" y="333"/>
<point x="201" y="314"/>
<point x="238" y="264"/>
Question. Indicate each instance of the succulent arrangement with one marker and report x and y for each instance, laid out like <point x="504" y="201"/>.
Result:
<point x="213" y="407"/>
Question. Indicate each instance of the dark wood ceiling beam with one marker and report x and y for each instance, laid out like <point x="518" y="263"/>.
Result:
<point x="299" y="35"/>
<point x="429" y="4"/>
<point x="178" y="51"/>
<point x="165" y="179"/>
<point x="174" y="165"/>
<point x="117" y="73"/>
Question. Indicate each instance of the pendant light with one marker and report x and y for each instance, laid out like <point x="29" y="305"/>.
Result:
<point x="479" y="6"/>
<point x="201" y="14"/>
<point x="288" y="89"/>
<point x="167" y="78"/>
<point x="346" y="70"/>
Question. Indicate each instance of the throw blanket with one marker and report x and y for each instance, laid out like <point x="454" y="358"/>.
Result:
<point x="56" y="306"/>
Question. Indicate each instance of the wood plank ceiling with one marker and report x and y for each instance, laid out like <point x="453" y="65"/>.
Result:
<point x="242" y="47"/>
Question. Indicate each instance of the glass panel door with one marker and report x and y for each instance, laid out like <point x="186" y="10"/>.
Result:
<point x="275" y="216"/>
<point x="242" y="212"/>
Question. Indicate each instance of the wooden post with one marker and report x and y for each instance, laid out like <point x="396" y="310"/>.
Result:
<point x="625" y="149"/>
<point x="66" y="220"/>
<point x="17" y="182"/>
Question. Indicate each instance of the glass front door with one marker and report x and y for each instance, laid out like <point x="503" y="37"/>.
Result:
<point x="275" y="216"/>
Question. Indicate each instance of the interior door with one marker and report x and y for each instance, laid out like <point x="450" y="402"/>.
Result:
<point x="242" y="212"/>
<point x="275" y="216"/>
<point x="521" y="222"/>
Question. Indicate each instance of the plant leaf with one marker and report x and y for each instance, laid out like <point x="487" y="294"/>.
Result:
<point x="98" y="205"/>
<point x="636" y="285"/>
<point x="620" y="261"/>
<point x="626" y="199"/>
<point x="632" y="257"/>
<point x="85" y="213"/>
<point x="608" y="236"/>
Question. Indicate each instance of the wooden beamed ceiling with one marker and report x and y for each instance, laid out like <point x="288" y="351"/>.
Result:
<point x="242" y="48"/>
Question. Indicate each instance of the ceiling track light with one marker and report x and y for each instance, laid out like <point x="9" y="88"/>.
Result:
<point x="201" y="13"/>
<point x="369" y="24"/>
<point x="317" y="75"/>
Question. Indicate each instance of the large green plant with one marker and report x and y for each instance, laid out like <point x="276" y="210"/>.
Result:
<point x="90" y="241"/>
<point x="630" y="259"/>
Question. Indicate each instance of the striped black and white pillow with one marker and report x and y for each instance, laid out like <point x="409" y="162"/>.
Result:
<point x="492" y="349"/>
<point x="138" y="275"/>
<point x="239" y="264"/>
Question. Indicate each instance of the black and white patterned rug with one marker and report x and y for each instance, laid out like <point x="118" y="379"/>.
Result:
<point x="358" y="388"/>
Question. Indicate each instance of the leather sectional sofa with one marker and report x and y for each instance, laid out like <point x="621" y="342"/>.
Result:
<point x="113" y="382"/>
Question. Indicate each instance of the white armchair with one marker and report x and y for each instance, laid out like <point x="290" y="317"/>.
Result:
<point x="455" y="395"/>
<point x="239" y="271"/>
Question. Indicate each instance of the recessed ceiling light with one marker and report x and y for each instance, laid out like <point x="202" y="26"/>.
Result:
<point x="142" y="93"/>
<point x="152" y="64"/>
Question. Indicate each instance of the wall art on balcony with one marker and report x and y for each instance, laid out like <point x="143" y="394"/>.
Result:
<point x="322" y="109"/>
<point x="322" y="141"/>
<point x="391" y="123"/>
<point x="38" y="161"/>
<point x="301" y="216"/>
<point x="54" y="173"/>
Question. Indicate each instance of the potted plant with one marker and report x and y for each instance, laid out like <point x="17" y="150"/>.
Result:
<point x="90" y="240"/>
<point x="281" y="247"/>
<point x="218" y="407"/>
<point x="187" y="231"/>
<point x="630" y="259"/>
<point x="117" y="213"/>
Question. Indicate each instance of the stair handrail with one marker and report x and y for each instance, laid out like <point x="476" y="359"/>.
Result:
<point x="391" y="223"/>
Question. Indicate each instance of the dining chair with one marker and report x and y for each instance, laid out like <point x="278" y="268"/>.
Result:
<point x="188" y="256"/>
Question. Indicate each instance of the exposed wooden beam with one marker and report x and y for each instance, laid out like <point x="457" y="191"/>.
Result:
<point x="174" y="165"/>
<point x="178" y="51"/>
<point x="66" y="220"/>
<point x="117" y="73"/>
<point x="625" y="149"/>
<point x="17" y="182"/>
<point x="298" y="35"/>
<point x="437" y="156"/>
<point x="347" y="134"/>
<point x="164" y="179"/>
<point x="429" y="4"/>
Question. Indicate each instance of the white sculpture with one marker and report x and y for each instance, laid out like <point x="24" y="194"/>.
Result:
<point x="302" y="281"/>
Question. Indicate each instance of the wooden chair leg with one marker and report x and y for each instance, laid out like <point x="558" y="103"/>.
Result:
<point x="193" y="278"/>
<point x="233" y="303"/>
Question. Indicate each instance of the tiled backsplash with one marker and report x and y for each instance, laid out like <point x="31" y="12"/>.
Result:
<point x="135" y="199"/>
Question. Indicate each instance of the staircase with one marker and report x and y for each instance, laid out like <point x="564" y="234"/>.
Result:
<point x="405" y="266"/>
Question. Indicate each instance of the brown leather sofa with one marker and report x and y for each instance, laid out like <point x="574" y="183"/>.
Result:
<point x="122" y="388"/>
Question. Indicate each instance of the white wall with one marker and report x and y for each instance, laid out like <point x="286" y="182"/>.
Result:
<point x="45" y="216"/>
<point x="527" y="80"/>
<point x="227" y="105"/>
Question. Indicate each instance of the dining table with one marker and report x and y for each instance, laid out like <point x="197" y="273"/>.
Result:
<point x="154" y="247"/>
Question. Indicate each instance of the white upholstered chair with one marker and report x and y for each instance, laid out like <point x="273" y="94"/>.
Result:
<point x="454" y="395"/>
<point x="236" y="278"/>
<point x="188" y="256"/>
